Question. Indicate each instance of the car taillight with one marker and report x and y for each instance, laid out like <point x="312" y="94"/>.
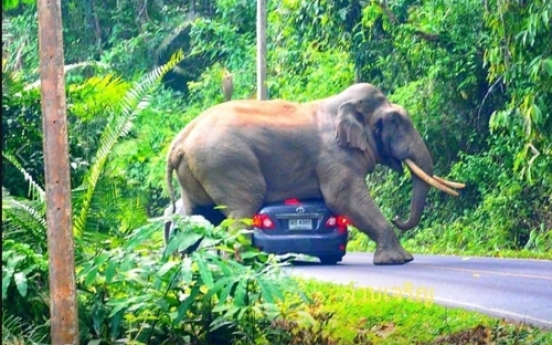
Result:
<point x="340" y="222"/>
<point x="263" y="221"/>
<point x="293" y="201"/>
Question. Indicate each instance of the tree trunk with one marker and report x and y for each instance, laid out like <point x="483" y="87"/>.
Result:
<point x="61" y="255"/>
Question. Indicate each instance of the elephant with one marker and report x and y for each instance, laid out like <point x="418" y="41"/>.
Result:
<point x="242" y="154"/>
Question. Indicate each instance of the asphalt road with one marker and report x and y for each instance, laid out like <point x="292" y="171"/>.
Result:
<point x="514" y="289"/>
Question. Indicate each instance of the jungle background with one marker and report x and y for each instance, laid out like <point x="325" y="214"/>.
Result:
<point x="475" y="75"/>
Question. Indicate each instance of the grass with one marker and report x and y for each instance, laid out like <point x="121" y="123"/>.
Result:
<point x="366" y="316"/>
<point x="361" y="243"/>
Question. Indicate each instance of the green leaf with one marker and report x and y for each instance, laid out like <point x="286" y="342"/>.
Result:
<point x="7" y="253"/>
<point x="547" y="65"/>
<point x="217" y="287"/>
<point x="182" y="241"/>
<point x="126" y="302"/>
<point x="239" y="295"/>
<point x="536" y="114"/>
<point x="166" y="267"/>
<point x="35" y="191"/>
<point x="209" y="242"/>
<point x="186" y="272"/>
<point x="12" y="4"/>
<point x="204" y="271"/>
<point x="343" y="13"/>
<point x="118" y="307"/>
<point x="224" y="267"/>
<point x="241" y="313"/>
<point x="275" y="288"/>
<point x="21" y="283"/>
<point x="221" y="308"/>
<point x="110" y="270"/>
<point x="183" y="308"/>
<point x="173" y="244"/>
<point x="218" y="323"/>
<point x="7" y="275"/>
<point x="265" y="290"/>
<point x="232" y="310"/>
<point x="91" y="275"/>
<point x="14" y="260"/>
<point x="115" y="324"/>
<point x="249" y="255"/>
<point x="29" y="269"/>
<point x="224" y="294"/>
<point x="305" y="318"/>
<point x="137" y="237"/>
<point x="100" y="259"/>
<point x="157" y="283"/>
<point x="127" y="263"/>
<point x="545" y="17"/>
<point x="188" y="240"/>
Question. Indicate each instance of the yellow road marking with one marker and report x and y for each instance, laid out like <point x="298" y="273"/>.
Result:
<point x="476" y="271"/>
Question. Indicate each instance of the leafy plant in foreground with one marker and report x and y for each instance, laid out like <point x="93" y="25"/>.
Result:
<point x="145" y="295"/>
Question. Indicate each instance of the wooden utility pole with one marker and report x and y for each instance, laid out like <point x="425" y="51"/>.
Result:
<point x="63" y="302"/>
<point x="261" y="50"/>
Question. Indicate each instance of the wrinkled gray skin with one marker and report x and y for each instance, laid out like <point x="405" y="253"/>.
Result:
<point x="242" y="154"/>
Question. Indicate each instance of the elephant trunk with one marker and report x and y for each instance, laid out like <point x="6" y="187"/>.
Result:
<point x="420" y="189"/>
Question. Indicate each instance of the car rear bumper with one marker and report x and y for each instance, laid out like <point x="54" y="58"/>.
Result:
<point x="312" y="244"/>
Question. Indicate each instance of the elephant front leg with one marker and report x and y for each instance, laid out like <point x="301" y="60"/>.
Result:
<point x="350" y="197"/>
<point x="389" y="250"/>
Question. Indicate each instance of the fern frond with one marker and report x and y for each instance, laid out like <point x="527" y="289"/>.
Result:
<point x="34" y="188"/>
<point x="118" y="126"/>
<point x="17" y="331"/>
<point x="68" y="68"/>
<point x="23" y="215"/>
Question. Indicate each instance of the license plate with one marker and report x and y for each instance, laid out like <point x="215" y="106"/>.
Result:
<point x="300" y="224"/>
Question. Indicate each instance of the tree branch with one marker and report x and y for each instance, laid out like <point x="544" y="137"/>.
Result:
<point x="428" y="36"/>
<point x="385" y="7"/>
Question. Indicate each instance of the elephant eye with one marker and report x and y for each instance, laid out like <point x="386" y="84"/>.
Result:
<point x="395" y="119"/>
<point x="358" y="116"/>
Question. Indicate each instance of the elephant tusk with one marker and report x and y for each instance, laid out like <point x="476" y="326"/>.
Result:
<point x="449" y="183"/>
<point x="428" y="179"/>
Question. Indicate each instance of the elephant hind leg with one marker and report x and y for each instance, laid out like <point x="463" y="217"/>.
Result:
<point x="245" y="196"/>
<point x="244" y="203"/>
<point x="219" y="188"/>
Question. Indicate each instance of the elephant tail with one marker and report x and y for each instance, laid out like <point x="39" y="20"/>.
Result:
<point x="170" y="169"/>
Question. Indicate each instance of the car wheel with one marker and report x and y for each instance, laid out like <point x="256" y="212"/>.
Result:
<point x="330" y="259"/>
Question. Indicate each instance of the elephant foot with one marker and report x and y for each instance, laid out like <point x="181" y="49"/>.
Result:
<point x="394" y="256"/>
<point x="389" y="250"/>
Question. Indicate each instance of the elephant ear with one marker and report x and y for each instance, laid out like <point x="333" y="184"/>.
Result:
<point x="350" y="130"/>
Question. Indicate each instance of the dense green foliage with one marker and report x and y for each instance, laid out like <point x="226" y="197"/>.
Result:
<point x="476" y="77"/>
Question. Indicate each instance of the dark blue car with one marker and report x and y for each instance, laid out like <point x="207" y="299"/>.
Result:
<point x="302" y="227"/>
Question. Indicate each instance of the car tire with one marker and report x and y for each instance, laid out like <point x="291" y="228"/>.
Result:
<point x="329" y="260"/>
